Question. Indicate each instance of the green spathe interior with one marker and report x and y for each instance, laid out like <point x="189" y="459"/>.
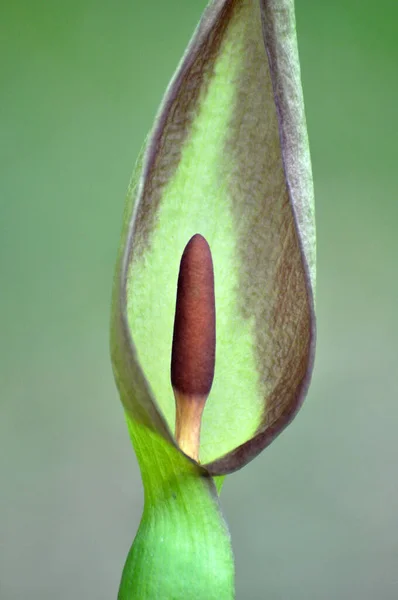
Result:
<point x="229" y="186"/>
<point x="196" y="200"/>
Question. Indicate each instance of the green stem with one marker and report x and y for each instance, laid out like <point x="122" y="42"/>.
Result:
<point x="182" y="548"/>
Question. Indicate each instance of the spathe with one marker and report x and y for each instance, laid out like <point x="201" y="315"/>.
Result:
<point x="228" y="157"/>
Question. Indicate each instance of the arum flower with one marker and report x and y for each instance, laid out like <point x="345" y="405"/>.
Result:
<point x="213" y="326"/>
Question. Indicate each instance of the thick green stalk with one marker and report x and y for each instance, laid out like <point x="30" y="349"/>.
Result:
<point x="182" y="538"/>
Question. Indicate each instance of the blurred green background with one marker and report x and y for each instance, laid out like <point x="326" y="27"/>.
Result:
<point x="315" y="516"/>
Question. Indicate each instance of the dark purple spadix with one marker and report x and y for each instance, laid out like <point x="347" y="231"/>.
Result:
<point x="194" y="342"/>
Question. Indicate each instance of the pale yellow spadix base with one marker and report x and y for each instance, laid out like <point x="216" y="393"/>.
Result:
<point x="189" y="410"/>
